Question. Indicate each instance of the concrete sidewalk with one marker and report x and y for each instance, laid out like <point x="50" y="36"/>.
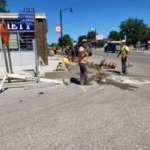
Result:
<point x="52" y="61"/>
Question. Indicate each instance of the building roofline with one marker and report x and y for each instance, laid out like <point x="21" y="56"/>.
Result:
<point x="16" y="15"/>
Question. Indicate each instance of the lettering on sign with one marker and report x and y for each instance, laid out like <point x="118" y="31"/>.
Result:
<point x="20" y="27"/>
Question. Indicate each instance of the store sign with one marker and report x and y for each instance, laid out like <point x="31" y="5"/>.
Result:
<point x="20" y="27"/>
<point x="27" y="16"/>
<point x="25" y="22"/>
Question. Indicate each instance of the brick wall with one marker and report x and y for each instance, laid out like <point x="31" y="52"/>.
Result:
<point x="41" y="38"/>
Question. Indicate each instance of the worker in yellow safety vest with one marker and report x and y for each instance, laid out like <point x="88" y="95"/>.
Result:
<point x="124" y="52"/>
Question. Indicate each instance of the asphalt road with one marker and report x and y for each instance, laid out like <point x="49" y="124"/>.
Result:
<point x="135" y="57"/>
<point x="139" y="60"/>
<point x="96" y="117"/>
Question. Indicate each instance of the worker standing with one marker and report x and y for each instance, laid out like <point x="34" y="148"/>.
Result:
<point x="83" y="61"/>
<point x="124" y="52"/>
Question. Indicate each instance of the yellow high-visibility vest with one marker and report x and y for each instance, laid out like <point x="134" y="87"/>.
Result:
<point x="124" y="51"/>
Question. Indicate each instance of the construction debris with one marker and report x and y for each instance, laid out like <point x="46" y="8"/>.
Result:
<point x="51" y="81"/>
<point x="106" y="64"/>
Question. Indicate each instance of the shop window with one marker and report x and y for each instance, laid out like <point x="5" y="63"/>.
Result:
<point x="26" y="41"/>
<point x="13" y="42"/>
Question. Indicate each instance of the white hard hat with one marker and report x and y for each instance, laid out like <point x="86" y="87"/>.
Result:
<point x="84" y="40"/>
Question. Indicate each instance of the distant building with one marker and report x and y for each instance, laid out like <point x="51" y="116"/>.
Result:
<point x="22" y="35"/>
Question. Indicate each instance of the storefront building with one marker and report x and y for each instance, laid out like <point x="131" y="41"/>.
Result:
<point x="21" y="39"/>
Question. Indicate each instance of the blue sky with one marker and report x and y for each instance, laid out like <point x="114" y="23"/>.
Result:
<point x="104" y="15"/>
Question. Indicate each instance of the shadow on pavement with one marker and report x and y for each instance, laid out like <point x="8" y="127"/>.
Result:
<point x="114" y="72"/>
<point x="122" y="86"/>
<point x="75" y="81"/>
<point x="1" y="91"/>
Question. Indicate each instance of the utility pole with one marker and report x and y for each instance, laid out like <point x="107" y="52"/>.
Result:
<point x="61" y="27"/>
<point x="95" y="38"/>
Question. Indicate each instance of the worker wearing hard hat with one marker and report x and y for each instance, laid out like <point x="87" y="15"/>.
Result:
<point x="124" y="52"/>
<point x="83" y="61"/>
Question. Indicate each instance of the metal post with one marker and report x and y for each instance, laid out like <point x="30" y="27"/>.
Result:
<point x="18" y="41"/>
<point x="5" y="59"/>
<point x="61" y="26"/>
<point x="36" y="60"/>
<point x="9" y="59"/>
<point x="95" y="38"/>
<point x="19" y="48"/>
<point x="7" y="64"/>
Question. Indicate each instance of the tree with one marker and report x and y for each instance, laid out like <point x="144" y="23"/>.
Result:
<point x="66" y="40"/>
<point x="135" y="30"/>
<point x="147" y="36"/>
<point x="3" y="6"/>
<point x="91" y="35"/>
<point x="81" y="38"/>
<point x="114" y="35"/>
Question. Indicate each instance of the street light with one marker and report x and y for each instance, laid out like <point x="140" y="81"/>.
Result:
<point x="61" y="24"/>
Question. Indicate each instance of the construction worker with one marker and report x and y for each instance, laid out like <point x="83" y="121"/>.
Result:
<point x="63" y="64"/>
<point x="124" y="52"/>
<point x="83" y="61"/>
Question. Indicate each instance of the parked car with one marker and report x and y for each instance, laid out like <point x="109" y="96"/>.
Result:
<point x="147" y="46"/>
<point x="110" y="47"/>
<point x="143" y="47"/>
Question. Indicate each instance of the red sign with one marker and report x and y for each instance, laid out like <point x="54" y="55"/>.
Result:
<point x="58" y="29"/>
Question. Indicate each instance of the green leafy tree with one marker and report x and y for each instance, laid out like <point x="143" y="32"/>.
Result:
<point x="147" y="36"/>
<point x="81" y="38"/>
<point x="3" y="6"/>
<point x="91" y="35"/>
<point x="135" y="30"/>
<point x="114" y="35"/>
<point x="66" y="41"/>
